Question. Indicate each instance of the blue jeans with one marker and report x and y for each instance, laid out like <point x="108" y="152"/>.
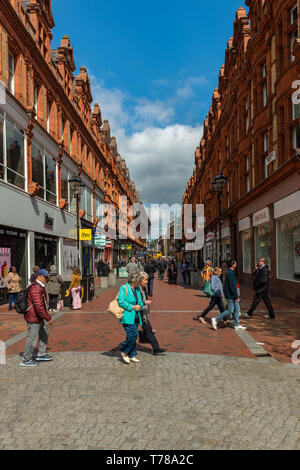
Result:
<point x="12" y="299"/>
<point x="129" y="345"/>
<point x="233" y="308"/>
<point x="150" y="286"/>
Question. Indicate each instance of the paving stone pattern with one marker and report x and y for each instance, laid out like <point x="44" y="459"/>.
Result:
<point x="93" y="400"/>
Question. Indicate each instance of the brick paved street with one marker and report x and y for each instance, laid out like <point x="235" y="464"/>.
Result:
<point x="208" y="392"/>
<point x="180" y="401"/>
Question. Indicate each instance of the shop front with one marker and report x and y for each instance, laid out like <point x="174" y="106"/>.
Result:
<point x="12" y="253"/>
<point x="273" y="233"/>
<point x="45" y="251"/>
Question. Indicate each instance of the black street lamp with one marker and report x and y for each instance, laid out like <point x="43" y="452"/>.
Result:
<point x="218" y="184"/>
<point x="77" y="188"/>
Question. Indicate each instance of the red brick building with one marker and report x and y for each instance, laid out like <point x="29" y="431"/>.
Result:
<point x="48" y="133"/>
<point x="252" y="134"/>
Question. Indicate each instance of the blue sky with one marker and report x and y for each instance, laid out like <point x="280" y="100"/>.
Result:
<point x="153" y="66"/>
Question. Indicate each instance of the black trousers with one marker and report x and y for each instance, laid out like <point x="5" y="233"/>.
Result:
<point x="150" y="335"/>
<point x="53" y="301"/>
<point x="215" y="300"/>
<point x="257" y="299"/>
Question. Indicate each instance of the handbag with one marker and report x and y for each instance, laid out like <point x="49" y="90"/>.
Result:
<point x="115" y="309"/>
<point x="208" y="290"/>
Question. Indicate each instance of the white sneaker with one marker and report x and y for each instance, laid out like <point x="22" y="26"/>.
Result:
<point x="240" y="327"/>
<point x="134" y="359"/>
<point x="125" y="358"/>
<point x="214" y="323"/>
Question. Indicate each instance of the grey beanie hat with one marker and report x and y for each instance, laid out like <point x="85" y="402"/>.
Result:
<point x="53" y="269"/>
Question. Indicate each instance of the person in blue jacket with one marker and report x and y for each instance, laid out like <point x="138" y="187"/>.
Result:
<point x="130" y="299"/>
<point x="231" y="294"/>
<point x="217" y="298"/>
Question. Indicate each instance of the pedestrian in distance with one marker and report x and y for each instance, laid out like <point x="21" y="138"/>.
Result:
<point x="206" y="274"/>
<point x="36" y="318"/>
<point x="172" y="273"/>
<point x="33" y="276"/>
<point x="132" y="266"/>
<point x="184" y="268"/>
<point x="75" y="289"/>
<point x="150" y="269"/>
<point x="13" y="285"/>
<point x="231" y="294"/>
<point x="216" y="297"/>
<point x="53" y="288"/>
<point x="129" y="298"/>
<point x="146" y="325"/>
<point x="261" y="283"/>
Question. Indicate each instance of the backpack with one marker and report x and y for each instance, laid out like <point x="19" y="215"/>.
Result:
<point x="21" y="302"/>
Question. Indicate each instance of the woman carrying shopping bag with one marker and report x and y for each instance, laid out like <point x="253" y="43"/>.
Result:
<point x="129" y="298"/>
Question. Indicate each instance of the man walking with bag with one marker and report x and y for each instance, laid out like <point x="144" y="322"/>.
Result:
<point x="37" y="318"/>
<point x="261" y="281"/>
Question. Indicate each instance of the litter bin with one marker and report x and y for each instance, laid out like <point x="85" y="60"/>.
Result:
<point x="88" y="287"/>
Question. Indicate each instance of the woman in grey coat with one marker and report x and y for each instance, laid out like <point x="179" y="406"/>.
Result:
<point x="53" y="288"/>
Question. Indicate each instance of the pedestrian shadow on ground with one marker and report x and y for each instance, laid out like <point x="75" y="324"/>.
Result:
<point x="115" y="352"/>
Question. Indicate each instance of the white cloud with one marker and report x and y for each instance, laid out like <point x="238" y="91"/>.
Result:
<point x="160" y="160"/>
<point x="186" y="90"/>
<point x="149" y="112"/>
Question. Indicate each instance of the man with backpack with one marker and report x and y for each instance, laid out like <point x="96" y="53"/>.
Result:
<point x="36" y="316"/>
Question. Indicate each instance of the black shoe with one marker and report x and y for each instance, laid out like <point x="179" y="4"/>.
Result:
<point x="159" y="351"/>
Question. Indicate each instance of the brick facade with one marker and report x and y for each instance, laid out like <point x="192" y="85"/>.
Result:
<point x="251" y="131"/>
<point x="58" y="104"/>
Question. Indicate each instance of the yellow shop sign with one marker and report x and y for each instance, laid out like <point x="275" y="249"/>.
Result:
<point x="85" y="234"/>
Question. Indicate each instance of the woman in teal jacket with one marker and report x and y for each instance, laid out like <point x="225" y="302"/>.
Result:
<point x="130" y="299"/>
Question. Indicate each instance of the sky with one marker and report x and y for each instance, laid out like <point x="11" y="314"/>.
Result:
<point x="153" y="67"/>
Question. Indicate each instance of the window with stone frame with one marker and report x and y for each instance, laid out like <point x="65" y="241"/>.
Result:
<point x="293" y="30"/>
<point x="295" y="115"/>
<point x="12" y="156"/>
<point x="264" y="85"/>
<point x="11" y="73"/>
<point x="44" y="173"/>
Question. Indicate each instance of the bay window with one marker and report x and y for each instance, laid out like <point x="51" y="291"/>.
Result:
<point x="12" y="155"/>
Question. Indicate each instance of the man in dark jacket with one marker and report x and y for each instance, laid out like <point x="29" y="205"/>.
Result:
<point x="150" y="269"/>
<point x="231" y="294"/>
<point x="36" y="318"/>
<point x="261" y="279"/>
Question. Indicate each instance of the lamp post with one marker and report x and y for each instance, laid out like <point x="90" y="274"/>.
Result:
<point x="77" y="188"/>
<point x="217" y="186"/>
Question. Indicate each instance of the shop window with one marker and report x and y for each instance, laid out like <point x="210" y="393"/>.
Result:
<point x="293" y="37"/>
<point x="86" y="203"/>
<point x="45" y="251"/>
<point x="65" y="184"/>
<point x="13" y="164"/>
<point x="12" y="253"/>
<point x="50" y="174"/>
<point x="11" y="73"/>
<point x="296" y="136"/>
<point x="263" y="242"/>
<point x="288" y="247"/>
<point x="44" y="173"/>
<point x="294" y="15"/>
<point x="35" y="99"/>
<point x="246" y="251"/>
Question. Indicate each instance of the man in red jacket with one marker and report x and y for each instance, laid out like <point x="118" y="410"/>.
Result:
<point x="37" y="318"/>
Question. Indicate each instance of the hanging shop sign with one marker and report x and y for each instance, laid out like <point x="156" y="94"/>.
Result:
<point x="85" y="234"/>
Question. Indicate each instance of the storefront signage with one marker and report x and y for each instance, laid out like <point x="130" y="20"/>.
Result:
<point x="244" y="224"/>
<point x="261" y="217"/>
<point x="48" y="222"/>
<point x="85" y="234"/>
<point x="5" y="263"/>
